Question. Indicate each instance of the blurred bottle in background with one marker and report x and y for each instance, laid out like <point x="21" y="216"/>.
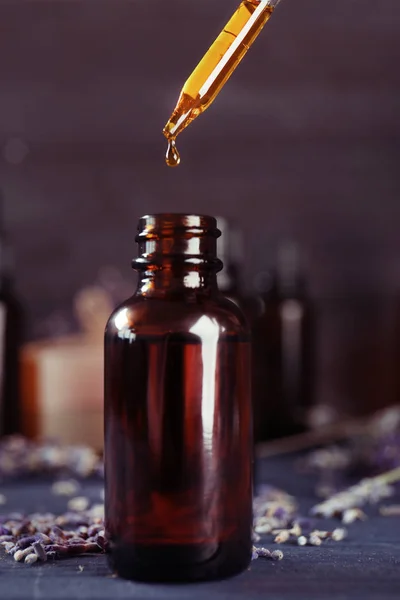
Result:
<point x="283" y="351"/>
<point x="11" y="333"/>
<point x="231" y="252"/>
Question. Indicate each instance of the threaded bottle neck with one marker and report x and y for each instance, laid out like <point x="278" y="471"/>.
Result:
<point x="177" y="253"/>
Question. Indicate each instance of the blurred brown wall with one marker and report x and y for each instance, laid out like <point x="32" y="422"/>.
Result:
<point x="304" y="142"/>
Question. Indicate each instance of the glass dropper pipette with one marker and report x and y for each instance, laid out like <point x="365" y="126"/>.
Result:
<point x="216" y="67"/>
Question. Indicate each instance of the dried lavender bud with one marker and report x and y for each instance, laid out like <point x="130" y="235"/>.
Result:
<point x="353" y="514"/>
<point x="97" y="511"/>
<point x="254" y="554"/>
<point x="263" y="553"/>
<point x="58" y="532"/>
<point x="83" y="531"/>
<point x="314" y="540"/>
<point x="8" y="546"/>
<point x="339" y="534"/>
<point x="4" y="531"/>
<point x="296" y="530"/>
<point x="302" y="540"/>
<point x="21" y="528"/>
<point x="94" y="529"/>
<point x="42" y="537"/>
<point x="40" y="551"/>
<point x="101" y="541"/>
<point x="26" y="541"/>
<point x="65" y="488"/>
<point x="321" y="534"/>
<point x="20" y="554"/>
<point x="277" y="555"/>
<point x="83" y="548"/>
<point x="31" y="558"/>
<point x="282" y="537"/>
<point x="57" y="549"/>
<point x="79" y="504"/>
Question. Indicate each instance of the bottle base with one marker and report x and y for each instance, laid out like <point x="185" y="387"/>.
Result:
<point x="179" y="564"/>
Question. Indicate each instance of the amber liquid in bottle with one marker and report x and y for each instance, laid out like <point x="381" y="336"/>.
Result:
<point x="216" y="67"/>
<point x="178" y="414"/>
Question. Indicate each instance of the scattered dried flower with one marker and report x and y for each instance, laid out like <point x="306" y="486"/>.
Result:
<point x="353" y="514"/>
<point x="277" y="555"/>
<point x="321" y="534"/>
<point x="8" y="547"/>
<point x="30" y="559"/>
<point x="254" y="553"/>
<point x="339" y="534"/>
<point x="78" y="504"/>
<point x="314" y="540"/>
<point x="67" y="487"/>
<point x="20" y="554"/>
<point x="273" y="510"/>
<point x="264" y="553"/>
<point x="40" y="551"/>
<point x="302" y="540"/>
<point x="296" y="530"/>
<point x="282" y="537"/>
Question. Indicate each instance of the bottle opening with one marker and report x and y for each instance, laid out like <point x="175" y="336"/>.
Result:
<point x="192" y="238"/>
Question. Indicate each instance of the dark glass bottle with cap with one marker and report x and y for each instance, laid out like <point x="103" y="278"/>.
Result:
<point x="178" y="426"/>
<point x="284" y="352"/>
<point x="230" y="251"/>
<point x="11" y="317"/>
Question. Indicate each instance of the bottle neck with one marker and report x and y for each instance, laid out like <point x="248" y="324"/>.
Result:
<point x="176" y="281"/>
<point x="177" y="256"/>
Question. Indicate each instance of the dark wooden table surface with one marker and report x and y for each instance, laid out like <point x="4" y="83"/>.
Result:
<point x="365" y="566"/>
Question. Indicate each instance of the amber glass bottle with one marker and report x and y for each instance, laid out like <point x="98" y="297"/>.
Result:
<point x="284" y="352"/>
<point x="11" y="324"/>
<point x="178" y="427"/>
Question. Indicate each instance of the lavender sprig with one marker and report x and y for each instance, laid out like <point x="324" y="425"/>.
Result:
<point x="367" y="491"/>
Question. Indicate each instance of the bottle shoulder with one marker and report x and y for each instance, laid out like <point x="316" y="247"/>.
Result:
<point x="152" y="316"/>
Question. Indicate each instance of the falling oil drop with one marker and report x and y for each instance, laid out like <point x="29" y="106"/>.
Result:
<point x="172" y="158"/>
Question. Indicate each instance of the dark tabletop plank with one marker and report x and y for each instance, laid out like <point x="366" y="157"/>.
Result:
<point x="365" y="566"/>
